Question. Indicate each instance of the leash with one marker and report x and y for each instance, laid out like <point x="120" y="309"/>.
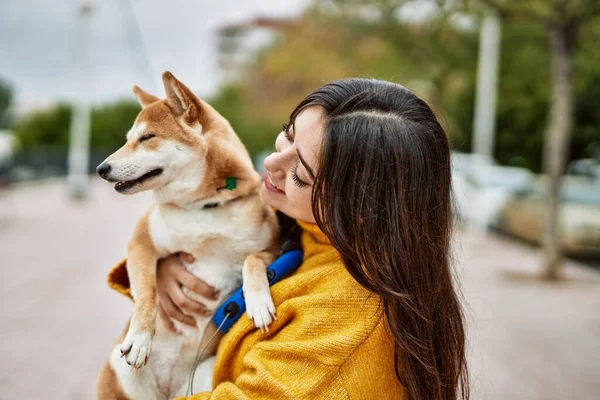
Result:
<point x="235" y="306"/>
<point x="199" y="355"/>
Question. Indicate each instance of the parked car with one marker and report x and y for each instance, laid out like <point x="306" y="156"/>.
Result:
<point x="589" y="167"/>
<point x="482" y="187"/>
<point x="523" y="215"/>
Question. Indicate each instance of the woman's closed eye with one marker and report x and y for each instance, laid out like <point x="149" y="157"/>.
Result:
<point x="286" y="132"/>
<point x="297" y="181"/>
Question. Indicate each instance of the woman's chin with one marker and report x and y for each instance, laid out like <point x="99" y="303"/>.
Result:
<point x="275" y="200"/>
<point x="268" y="196"/>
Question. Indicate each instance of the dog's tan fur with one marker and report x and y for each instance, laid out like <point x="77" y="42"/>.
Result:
<point x="191" y="150"/>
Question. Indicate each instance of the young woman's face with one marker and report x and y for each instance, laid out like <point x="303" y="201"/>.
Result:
<point x="292" y="167"/>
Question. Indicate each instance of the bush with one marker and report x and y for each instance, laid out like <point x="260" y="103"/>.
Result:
<point x="50" y="127"/>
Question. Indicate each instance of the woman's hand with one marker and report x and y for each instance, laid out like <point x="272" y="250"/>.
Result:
<point x="171" y="277"/>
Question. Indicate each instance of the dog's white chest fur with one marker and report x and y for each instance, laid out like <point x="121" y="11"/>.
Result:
<point x="185" y="151"/>
<point x="217" y="237"/>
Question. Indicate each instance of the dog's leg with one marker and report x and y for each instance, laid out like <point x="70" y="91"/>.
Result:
<point x="259" y="304"/>
<point x="119" y="381"/>
<point x="128" y="383"/>
<point x="141" y="268"/>
<point x="108" y="386"/>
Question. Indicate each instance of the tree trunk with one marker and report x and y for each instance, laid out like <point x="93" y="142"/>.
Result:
<point x="556" y="145"/>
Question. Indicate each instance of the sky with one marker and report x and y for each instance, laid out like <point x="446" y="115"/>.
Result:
<point x="39" y="42"/>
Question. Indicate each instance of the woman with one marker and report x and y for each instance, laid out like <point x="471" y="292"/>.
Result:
<point x="364" y="168"/>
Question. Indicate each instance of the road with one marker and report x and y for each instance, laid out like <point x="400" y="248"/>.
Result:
<point x="528" y="339"/>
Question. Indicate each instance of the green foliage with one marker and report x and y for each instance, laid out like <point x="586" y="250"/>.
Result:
<point x="524" y="94"/>
<point x="258" y="134"/>
<point x="585" y="137"/>
<point x="44" y="127"/>
<point x="111" y="122"/>
<point x="436" y="59"/>
<point x="50" y="127"/>
<point x="6" y="96"/>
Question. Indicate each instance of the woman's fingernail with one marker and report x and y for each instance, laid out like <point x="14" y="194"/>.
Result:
<point x="188" y="258"/>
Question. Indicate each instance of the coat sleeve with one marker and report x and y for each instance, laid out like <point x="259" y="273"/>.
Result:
<point x="279" y="375"/>
<point x="119" y="280"/>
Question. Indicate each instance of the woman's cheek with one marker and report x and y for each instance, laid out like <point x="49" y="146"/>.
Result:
<point x="289" y="189"/>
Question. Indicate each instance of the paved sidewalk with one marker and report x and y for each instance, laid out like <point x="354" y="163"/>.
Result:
<point x="529" y="340"/>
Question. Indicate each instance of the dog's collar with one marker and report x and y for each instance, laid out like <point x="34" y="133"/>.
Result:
<point x="231" y="184"/>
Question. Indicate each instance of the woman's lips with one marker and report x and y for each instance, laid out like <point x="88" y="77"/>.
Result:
<point x="270" y="185"/>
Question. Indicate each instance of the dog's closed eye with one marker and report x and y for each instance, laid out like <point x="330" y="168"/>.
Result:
<point x="147" y="137"/>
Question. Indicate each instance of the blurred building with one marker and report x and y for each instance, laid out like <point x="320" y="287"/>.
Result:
<point x="239" y="45"/>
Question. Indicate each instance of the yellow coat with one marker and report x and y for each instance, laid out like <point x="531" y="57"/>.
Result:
<point x="330" y="339"/>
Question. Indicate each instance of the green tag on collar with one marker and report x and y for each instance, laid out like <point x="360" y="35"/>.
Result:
<point x="230" y="183"/>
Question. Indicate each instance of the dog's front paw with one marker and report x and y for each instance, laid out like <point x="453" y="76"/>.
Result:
<point x="136" y="348"/>
<point x="260" y="308"/>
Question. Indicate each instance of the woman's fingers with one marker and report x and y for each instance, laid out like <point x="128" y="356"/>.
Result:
<point x="171" y="277"/>
<point x="184" y="303"/>
<point x="187" y="257"/>
<point x="162" y="314"/>
<point x="198" y="286"/>
<point x="175" y="312"/>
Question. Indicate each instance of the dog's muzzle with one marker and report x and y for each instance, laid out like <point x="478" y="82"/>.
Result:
<point x="103" y="170"/>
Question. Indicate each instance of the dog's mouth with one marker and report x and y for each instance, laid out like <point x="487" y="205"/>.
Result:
<point x="123" y="186"/>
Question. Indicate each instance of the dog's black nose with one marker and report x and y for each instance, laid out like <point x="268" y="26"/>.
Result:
<point x="103" y="169"/>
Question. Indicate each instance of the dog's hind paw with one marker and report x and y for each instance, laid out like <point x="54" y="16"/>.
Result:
<point x="136" y="348"/>
<point x="260" y="308"/>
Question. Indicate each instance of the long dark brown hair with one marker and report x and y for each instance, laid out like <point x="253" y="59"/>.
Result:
<point x="382" y="195"/>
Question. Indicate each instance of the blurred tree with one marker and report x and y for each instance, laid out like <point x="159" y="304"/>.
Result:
<point x="563" y="20"/>
<point x="6" y="97"/>
<point x="524" y="94"/>
<point x="256" y="131"/>
<point x="585" y="138"/>
<point x="434" y="56"/>
<point x="44" y="127"/>
<point x="50" y="127"/>
<point x="111" y="122"/>
<point x="337" y="39"/>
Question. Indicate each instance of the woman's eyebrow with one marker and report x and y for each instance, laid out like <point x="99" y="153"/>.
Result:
<point x="308" y="168"/>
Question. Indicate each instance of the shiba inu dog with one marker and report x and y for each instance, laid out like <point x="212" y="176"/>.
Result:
<point x="208" y="204"/>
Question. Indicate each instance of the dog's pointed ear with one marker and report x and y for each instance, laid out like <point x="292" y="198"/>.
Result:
<point x="181" y="100"/>
<point x="144" y="97"/>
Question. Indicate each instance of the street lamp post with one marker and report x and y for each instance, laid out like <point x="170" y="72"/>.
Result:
<point x="79" y="145"/>
<point x="484" y="121"/>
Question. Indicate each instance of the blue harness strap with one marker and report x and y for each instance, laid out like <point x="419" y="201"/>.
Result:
<point x="235" y="306"/>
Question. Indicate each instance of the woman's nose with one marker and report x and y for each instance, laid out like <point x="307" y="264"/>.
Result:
<point x="273" y="163"/>
<point x="281" y="143"/>
<point x="276" y="162"/>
